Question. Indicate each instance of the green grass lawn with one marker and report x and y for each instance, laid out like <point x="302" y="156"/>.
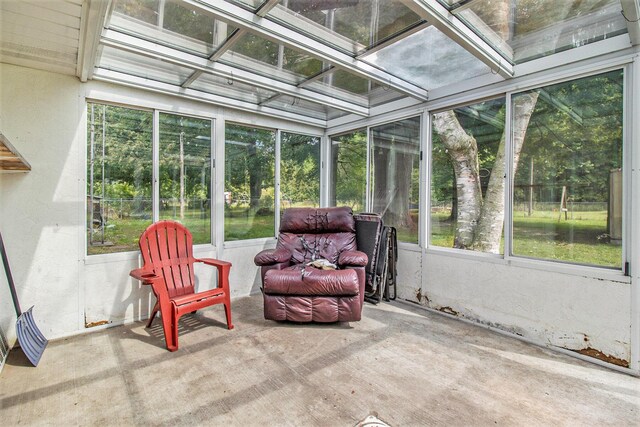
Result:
<point x="547" y="235"/>
<point x="122" y="234"/>
<point x="544" y="235"/>
<point x="240" y="224"/>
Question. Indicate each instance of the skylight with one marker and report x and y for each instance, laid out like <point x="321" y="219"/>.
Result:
<point x="322" y="59"/>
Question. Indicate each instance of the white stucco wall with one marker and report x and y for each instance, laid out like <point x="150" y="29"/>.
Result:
<point x="42" y="221"/>
<point x="7" y="313"/>
<point x="41" y="226"/>
<point x="565" y="310"/>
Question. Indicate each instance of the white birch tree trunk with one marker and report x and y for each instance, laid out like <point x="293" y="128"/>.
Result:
<point x="462" y="148"/>
<point x="489" y="230"/>
<point x="480" y="221"/>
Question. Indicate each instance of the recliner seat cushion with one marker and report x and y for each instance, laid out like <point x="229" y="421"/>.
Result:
<point x="310" y="281"/>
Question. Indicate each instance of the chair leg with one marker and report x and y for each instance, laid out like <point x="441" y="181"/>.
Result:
<point x="223" y="277"/>
<point x="153" y="315"/>
<point x="227" y="312"/>
<point x="174" y="331"/>
<point x="167" y="326"/>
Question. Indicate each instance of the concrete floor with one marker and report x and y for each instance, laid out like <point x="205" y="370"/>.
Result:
<point x="410" y="367"/>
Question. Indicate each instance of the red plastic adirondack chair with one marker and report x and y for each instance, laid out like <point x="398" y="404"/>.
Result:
<point x="167" y="251"/>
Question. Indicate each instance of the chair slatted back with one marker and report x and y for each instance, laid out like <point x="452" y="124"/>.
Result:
<point x="167" y="246"/>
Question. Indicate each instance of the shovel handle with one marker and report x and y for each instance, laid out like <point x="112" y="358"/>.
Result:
<point x="12" y="286"/>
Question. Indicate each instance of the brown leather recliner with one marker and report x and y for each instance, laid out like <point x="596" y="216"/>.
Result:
<point x="298" y="292"/>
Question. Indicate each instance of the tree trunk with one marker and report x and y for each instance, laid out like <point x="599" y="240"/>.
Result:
<point x="255" y="178"/>
<point x="463" y="151"/>
<point x="489" y="230"/>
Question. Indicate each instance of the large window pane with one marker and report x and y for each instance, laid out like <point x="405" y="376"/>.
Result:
<point x="349" y="170"/>
<point x="299" y="170"/>
<point x="185" y="173"/>
<point x="567" y="185"/>
<point x="467" y="177"/>
<point x="395" y="175"/>
<point x="249" y="182"/>
<point x="118" y="177"/>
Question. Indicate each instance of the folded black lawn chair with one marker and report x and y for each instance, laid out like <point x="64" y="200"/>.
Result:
<point x="379" y="243"/>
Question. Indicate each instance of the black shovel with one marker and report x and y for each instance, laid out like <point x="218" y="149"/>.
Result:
<point x="30" y="338"/>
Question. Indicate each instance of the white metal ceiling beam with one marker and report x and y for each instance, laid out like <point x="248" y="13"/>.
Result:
<point x="291" y="38"/>
<point x="319" y="31"/>
<point x="456" y="30"/>
<point x="273" y="98"/>
<point x="92" y="22"/>
<point x="226" y="45"/>
<point x="631" y="13"/>
<point x="464" y="6"/>
<point x="101" y="74"/>
<point x="266" y="7"/>
<point x="153" y="50"/>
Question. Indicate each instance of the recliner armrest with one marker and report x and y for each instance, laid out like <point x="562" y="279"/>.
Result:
<point x="272" y="256"/>
<point x="353" y="258"/>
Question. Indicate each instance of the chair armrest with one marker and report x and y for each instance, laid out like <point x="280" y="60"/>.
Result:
<point x="145" y="276"/>
<point x="148" y="277"/>
<point x="353" y="258"/>
<point x="223" y="267"/>
<point x="214" y="262"/>
<point x="272" y="256"/>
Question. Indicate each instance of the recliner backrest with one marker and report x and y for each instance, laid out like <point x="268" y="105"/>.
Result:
<point x="312" y="233"/>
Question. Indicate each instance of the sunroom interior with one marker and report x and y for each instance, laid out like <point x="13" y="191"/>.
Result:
<point x="498" y="136"/>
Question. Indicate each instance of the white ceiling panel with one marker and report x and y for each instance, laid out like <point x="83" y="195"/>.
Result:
<point x="40" y="34"/>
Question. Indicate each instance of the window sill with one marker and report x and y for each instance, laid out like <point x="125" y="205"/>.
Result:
<point x="409" y="247"/>
<point x="265" y="241"/>
<point x="112" y="257"/>
<point x="590" y="272"/>
<point x="205" y="248"/>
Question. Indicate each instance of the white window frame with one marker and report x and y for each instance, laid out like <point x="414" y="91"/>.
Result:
<point x="547" y="78"/>
<point x="381" y="121"/>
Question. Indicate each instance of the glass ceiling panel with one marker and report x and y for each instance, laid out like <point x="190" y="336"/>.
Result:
<point x="528" y="29"/>
<point x="170" y="23"/>
<point x="436" y="60"/>
<point x="348" y="25"/>
<point x="349" y="82"/>
<point x="305" y="108"/>
<point x="231" y="89"/>
<point x="270" y="59"/>
<point x="332" y="86"/>
<point x="141" y="66"/>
